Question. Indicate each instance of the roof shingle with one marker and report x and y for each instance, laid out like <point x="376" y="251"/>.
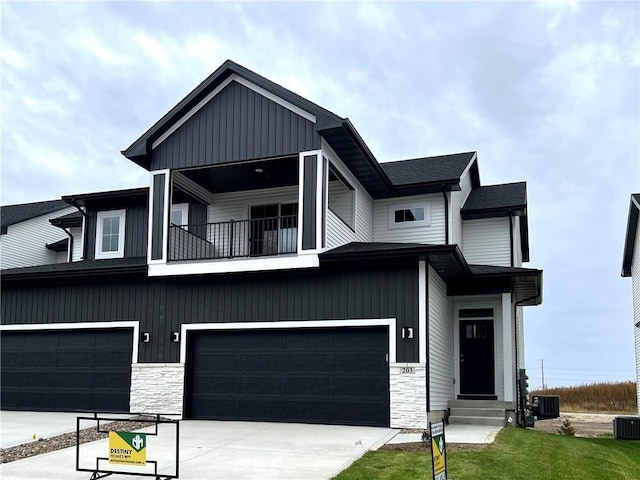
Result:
<point x="12" y="214"/>
<point x="442" y="168"/>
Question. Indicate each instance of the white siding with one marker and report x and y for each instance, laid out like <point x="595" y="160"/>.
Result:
<point x="337" y="232"/>
<point x="635" y="277"/>
<point x="440" y="321"/>
<point x="457" y="201"/>
<point x="487" y="241"/>
<point x="341" y="202"/>
<point x="235" y="205"/>
<point x="432" y="233"/>
<point x="24" y="244"/>
<point x="76" y="252"/>
<point x="364" y="204"/>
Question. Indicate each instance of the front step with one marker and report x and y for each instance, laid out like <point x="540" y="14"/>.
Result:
<point x="479" y="412"/>
<point x="469" y="420"/>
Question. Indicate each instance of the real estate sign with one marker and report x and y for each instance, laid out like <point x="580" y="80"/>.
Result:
<point x="128" y="448"/>
<point x="438" y="451"/>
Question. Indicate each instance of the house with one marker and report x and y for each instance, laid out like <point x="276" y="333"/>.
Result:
<point x="274" y="270"/>
<point x="27" y="237"/>
<point x="631" y="268"/>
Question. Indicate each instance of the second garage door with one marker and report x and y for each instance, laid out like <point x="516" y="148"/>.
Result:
<point x="334" y="376"/>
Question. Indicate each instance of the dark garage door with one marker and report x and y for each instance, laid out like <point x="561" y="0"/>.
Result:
<point x="66" y="370"/>
<point x="336" y="376"/>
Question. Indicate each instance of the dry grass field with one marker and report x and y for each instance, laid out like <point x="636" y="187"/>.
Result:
<point x="617" y="397"/>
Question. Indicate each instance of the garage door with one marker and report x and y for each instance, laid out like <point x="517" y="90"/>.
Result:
<point x="67" y="370"/>
<point x="335" y="376"/>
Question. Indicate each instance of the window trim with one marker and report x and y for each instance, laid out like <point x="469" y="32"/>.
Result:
<point x="121" y="214"/>
<point x="404" y="206"/>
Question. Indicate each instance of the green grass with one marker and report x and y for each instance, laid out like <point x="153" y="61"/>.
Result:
<point x="516" y="454"/>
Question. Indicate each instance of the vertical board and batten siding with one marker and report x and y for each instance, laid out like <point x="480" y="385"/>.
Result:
<point x="309" y="202"/>
<point x="76" y="250"/>
<point x="433" y="233"/>
<point x="487" y="241"/>
<point x="162" y="305"/>
<point x="440" y="324"/>
<point x="337" y="232"/>
<point x="24" y="244"/>
<point x="457" y="202"/>
<point x="157" y="216"/>
<point x="135" y="231"/>
<point x="635" y="279"/>
<point x="237" y="124"/>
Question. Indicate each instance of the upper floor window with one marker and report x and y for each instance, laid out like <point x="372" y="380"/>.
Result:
<point x="180" y="214"/>
<point x="110" y="234"/>
<point x="409" y="215"/>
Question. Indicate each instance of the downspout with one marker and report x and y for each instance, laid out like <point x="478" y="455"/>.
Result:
<point x="515" y="330"/>
<point x="426" y="339"/>
<point x="446" y="214"/>
<point x="84" y="222"/>
<point x="511" y="238"/>
<point x="70" y="250"/>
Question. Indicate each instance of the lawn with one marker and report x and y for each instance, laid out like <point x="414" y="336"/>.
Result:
<point x="516" y="454"/>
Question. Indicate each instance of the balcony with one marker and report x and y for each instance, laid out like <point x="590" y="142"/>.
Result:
<point x="234" y="239"/>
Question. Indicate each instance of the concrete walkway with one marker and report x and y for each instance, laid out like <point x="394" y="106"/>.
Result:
<point x="222" y="450"/>
<point x="477" y="434"/>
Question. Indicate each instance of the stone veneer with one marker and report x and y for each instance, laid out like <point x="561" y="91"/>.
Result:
<point x="408" y="392"/>
<point x="157" y="388"/>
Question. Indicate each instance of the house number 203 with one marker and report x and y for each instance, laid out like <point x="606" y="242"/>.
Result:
<point x="408" y="370"/>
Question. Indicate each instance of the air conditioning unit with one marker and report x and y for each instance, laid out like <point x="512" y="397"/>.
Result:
<point x="545" y="406"/>
<point x="626" y="428"/>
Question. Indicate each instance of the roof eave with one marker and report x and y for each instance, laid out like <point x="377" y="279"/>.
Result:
<point x="630" y="237"/>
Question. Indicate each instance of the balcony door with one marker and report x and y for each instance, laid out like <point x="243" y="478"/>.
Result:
<point x="274" y="229"/>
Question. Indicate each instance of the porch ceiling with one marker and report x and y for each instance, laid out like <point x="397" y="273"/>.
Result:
<point x="275" y="172"/>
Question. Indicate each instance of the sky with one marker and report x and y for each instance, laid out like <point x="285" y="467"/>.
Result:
<point x="545" y="92"/>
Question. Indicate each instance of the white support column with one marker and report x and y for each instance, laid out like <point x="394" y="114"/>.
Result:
<point x="508" y="347"/>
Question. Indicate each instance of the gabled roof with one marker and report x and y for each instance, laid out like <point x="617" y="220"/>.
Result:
<point x="630" y="239"/>
<point x="12" y="214"/>
<point x="140" y="149"/>
<point x="441" y="169"/>
<point x="432" y="174"/>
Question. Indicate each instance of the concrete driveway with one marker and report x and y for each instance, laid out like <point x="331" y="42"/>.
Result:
<point x="222" y="450"/>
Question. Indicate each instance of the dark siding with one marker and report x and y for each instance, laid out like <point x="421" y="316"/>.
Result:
<point x="309" y="196"/>
<point x="237" y="124"/>
<point x="198" y="218"/>
<point x="136" y="225"/>
<point x="157" y="229"/>
<point x="162" y="305"/>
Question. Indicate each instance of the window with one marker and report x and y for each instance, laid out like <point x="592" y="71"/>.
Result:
<point x="409" y="215"/>
<point x="110" y="234"/>
<point x="180" y="214"/>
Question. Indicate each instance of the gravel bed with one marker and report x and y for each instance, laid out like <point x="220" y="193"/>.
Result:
<point x="90" y="434"/>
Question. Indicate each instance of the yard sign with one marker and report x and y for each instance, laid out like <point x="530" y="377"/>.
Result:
<point x="128" y="448"/>
<point x="438" y="451"/>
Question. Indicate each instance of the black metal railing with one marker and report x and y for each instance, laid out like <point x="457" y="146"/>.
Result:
<point x="235" y="238"/>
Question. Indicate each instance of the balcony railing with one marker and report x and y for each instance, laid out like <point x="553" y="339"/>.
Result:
<point x="241" y="238"/>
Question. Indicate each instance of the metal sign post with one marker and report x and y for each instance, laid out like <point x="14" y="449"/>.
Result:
<point x="438" y="451"/>
<point x="128" y="450"/>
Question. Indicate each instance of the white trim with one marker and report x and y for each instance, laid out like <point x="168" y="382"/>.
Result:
<point x="422" y="311"/>
<point x="33" y="327"/>
<point x="233" y="77"/>
<point x="320" y="214"/>
<point x="426" y="205"/>
<point x="301" y="187"/>
<point x="235" y="265"/>
<point x="300" y="198"/>
<point x="375" y="322"/>
<point x="165" y="214"/>
<point x="82" y="234"/>
<point x="122" y="222"/>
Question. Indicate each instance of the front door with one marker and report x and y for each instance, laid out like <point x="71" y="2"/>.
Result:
<point x="477" y="377"/>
